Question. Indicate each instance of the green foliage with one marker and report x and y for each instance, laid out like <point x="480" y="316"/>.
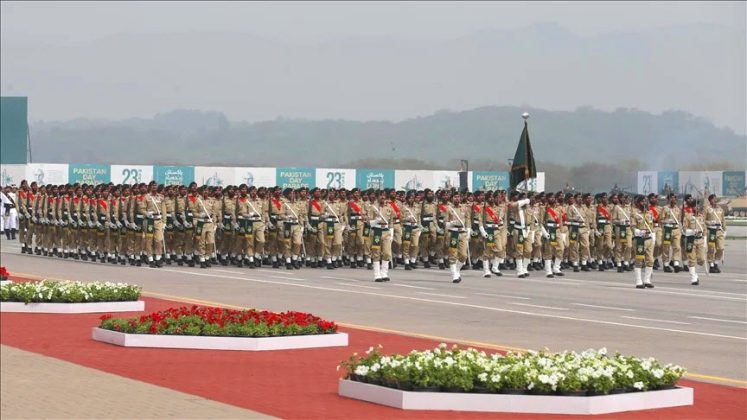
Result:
<point x="68" y="292"/>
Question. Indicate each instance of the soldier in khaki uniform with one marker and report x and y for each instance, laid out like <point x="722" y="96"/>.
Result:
<point x="458" y="231"/>
<point x="185" y="227"/>
<point x="653" y="205"/>
<point x="396" y="199"/>
<point x="154" y="225"/>
<point x="116" y="228"/>
<point x="411" y="229"/>
<point x="603" y="240"/>
<point x="716" y="225"/>
<point x="671" y="248"/>
<point x="292" y="232"/>
<point x="334" y="224"/>
<point x="694" y="230"/>
<point x="230" y="227"/>
<point x="136" y="225"/>
<point x="381" y="217"/>
<point x="369" y="201"/>
<point x="578" y="234"/>
<point x="537" y="207"/>
<point x="251" y="225"/>
<point x="553" y="244"/>
<point x="203" y="209"/>
<point x="621" y="213"/>
<point x="442" y="244"/>
<point x="477" y="239"/>
<point x="355" y="216"/>
<point x="522" y="214"/>
<point x="644" y="240"/>
<point x="494" y="232"/>
<point x="170" y="224"/>
<point x="103" y="219"/>
<point x="275" y="213"/>
<point x="429" y="227"/>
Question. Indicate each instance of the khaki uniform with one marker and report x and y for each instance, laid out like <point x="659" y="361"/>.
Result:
<point x="23" y="219"/>
<point x="494" y="224"/>
<point x="185" y="232"/>
<point x="354" y="246"/>
<point x="170" y="230"/>
<point x="334" y="222"/>
<point x="204" y="216"/>
<point x="275" y="213"/>
<point x="716" y="226"/>
<point x="428" y="243"/>
<point x="442" y="244"/>
<point x="621" y="218"/>
<point x="154" y="226"/>
<point x="292" y="232"/>
<point x="603" y="241"/>
<point x="397" y="228"/>
<point x="251" y="221"/>
<point x="411" y="232"/>
<point x="643" y="245"/>
<point x="553" y="244"/>
<point x="229" y="226"/>
<point x="476" y="241"/>
<point x="694" y="229"/>
<point x="103" y="235"/>
<point x="457" y="223"/>
<point x="659" y="234"/>
<point x="381" y="219"/>
<point x="671" y="245"/>
<point x="581" y="219"/>
<point x="534" y="222"/>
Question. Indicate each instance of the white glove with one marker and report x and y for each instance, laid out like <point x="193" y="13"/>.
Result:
<point x="637" y="232"/>
<point x="469" y="231"/>
<point x="20" y="216"/>
<point x="252" y="214"/>
<point x="177" y="224"/>
<point x="91" y="225"/>
<point x="35" y="220"/>
<point x="73" y="224"/>
<point x="187" y="225"/>
<point x="483" y="232"/>
<point x="236" y="226"/>
<point x="597" y="233"/>
<point x="523" y="202"/>
<point x="440" y="231"/>
<point x="133" y="226"/>
<point x="118" y="225"/>
<point x="546" y="235"/>
<point x="689" y="232"/>
<point x="562" y="237"/>
<point x="149" y="214"/>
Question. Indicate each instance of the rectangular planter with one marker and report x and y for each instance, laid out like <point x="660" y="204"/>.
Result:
<point x="4" y="282"/>
<point x="220" y="343"/>
<point x="537" y="404"/>
<point x="73" y="308"/>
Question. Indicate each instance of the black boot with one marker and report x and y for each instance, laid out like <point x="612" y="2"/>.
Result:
<point x="576" y="269"/>
<point x="668" y="269"/>
<point x="288" y="265"/>
<point x="13" y="234"/>
<point x="203" y="264"/>
<point x="656" y="264"/>
<point x="369" y="266"/>
<point x="407" y="267"/>
<point x="297" y="264"/>
<point x="620" y="269"/>
<point x="353" y="264"/>
<point x="427" y="264"/>
<point x="7" y="234"/>
<point x="191" y="261"/>
<point x="441" y="266"/>
<point x="330" y="266"/>
<point x="275" y="264"/>
<point x="361" y="264"/>
<point x="240" y="263"/>
<point x="338" y="264"/>
<point x="718" y="270"/>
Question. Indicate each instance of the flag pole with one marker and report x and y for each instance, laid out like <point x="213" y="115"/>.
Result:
<point x="525" y="116"/>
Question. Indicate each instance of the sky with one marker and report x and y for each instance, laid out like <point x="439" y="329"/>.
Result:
<point x="52" y="52"/>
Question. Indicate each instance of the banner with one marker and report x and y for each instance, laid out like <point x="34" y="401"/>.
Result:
<point x="88" y="173"/>
<point x="258" y="177"/>
<point x="335" y="178"/>
<point x="13" y="130"/>
<point x="445" y="179"/>
<point x="174" y="175"/>
<point x="711" y="182"/>
<point x="132" y="174"/>
<point x="488" y="180"/>
<point x="413" y="180"/>
<point x="648" y="182"/>
<point x="214" y="176"/>
<point x="296" y="177"/>
<point x="377" y="179"/>
<point x="668" y="181"/>
<point x="12" y="175"/>
<point x="47" y="173"/>
<point x="733" y="183"/>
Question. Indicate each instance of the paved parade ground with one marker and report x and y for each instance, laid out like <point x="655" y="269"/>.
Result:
<point x="701" y="327"/>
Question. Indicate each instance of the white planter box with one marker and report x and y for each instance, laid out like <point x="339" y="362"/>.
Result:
<point x="538" y="404"/>
<point x="220" y="343"/>
<point x="73" y="308"/>
<point x="4" y="282"/>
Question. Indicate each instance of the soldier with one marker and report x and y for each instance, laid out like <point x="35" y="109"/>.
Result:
<point x="603" y="234"/>
<point x="623" y="235"/>
<point x="117" y="231"/>
<point x="411" y="229"/>
<point x="395" y="201"/>
<point x="672" y="235"/>
<point x="276" y="212"/>
<point x="442" y="244"/>
<point x="202" y="207"/>
<point x="381" y="217"/>
<point x="578" y="233"/>
<point x="553" y="244"/>
<point x="334" y="223"/>
<point x="292" y="233"/>
<point x="302" y="196"/>
<point x="653" y="205"/>
<point x="23" y="216"/>
<point x="367" y="207"/>
<point x="537" y="205"/>
<point x="458" y="227"/>
<point x="715" y="223"/>
<point x="251" y="226"/>
<point x="694" y="226"/>
<point x="477" y="238"/>
<point x="493" y="233"/>
<point x="103" y="220"/>
<point x="315" y="227"/>
<point x="230" y="227"/>
<point x="170" y="223"/>
<point x="10" y="210"/>
<point x="154" y="226"/>
<point x="68" y="225"/>
<point x="521" y="213"/>
<point x="428" y="233"/>
<point x="356" y="218"/>
<point x="644" y="237"/>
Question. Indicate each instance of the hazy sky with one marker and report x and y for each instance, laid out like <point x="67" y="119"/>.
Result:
<point x="40" y="39"/>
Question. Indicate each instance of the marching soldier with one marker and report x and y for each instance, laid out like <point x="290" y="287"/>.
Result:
<point x="494" y="233"/>
<point x="644" y="240"/>
<point x="230" y="227"/>
<point x="553" y="246"/>
<point x="671" y="252"/>
<point x="694" y="226"/>
<point x="715" y="223"/>
<point x="381" y="216"/>
<point x="293" y="223"/>
<point x="621" y="213"/>
<point x="411" y="230"/>
<point x="356" y="219"/>
<point x="428" y="244"/>
<point x="603" y="234"/>
<point x="276" y="212"/>
<point x="521" y="213"/>
<point x="202" y="207"/>
<point x="653" y="205"/>
<point x="457" y="224"/>
<point x="477" y="239"/>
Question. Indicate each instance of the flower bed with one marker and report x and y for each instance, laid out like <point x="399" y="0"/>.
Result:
<point x="200" y="327"/>
<point x="69" y="297"/>
<point x="536" y="382"/>
<point x="592" y="372"/>
<point x="68" y="292"/>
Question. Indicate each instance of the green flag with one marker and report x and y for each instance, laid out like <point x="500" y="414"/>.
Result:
<point x="523" y="167"/>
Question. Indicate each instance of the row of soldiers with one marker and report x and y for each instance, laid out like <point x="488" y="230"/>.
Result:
<point x="377" y="229"/>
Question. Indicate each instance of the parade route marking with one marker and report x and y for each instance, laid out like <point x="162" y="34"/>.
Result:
<point x="413" y="287"/>
<point x="656" y="320"/>
<point x="503" y="296"/>
<point x="613" y="308"/>
<point x="717" y="319"/>
<point x="538" y="306"/>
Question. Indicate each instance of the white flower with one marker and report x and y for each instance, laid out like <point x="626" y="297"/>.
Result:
<point x="658" y="373"/>
<point x="375" y="367"/>
<point x="361" y="370"/>
<point x="638" y="385"/>
<point x="495" y="378"/>
<point x="483" y="377"/>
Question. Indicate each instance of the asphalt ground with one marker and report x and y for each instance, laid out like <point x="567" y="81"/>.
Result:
<point x="703" y="328"/>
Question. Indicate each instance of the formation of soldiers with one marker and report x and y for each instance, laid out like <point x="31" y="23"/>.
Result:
<point x="375" y="229"/>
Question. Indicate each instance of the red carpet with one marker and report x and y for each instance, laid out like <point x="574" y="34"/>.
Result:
<point x="289" y="384"/>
